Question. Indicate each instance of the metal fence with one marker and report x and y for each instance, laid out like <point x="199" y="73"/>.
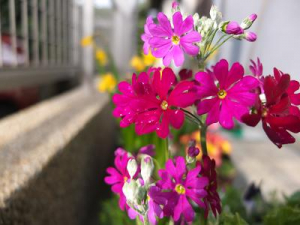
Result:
<point x="39" y="41"/>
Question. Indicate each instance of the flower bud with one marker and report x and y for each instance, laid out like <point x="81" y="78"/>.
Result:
<point x="252" y="17"/>
<point x="175" y="5"/>
<point x="215" y="14"/>
<point x="130" y="190"/>
<point x="132" y="167"/>
<point x="250" y="36"/>
<point x="232" y="27"/>
<point x="247" y="22"/>
<point x="147" y="168"/>
<point x="192" y="152"/>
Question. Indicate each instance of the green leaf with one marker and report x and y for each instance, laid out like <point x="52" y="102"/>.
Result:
<point x="230" y="219"/>
<point x="294" y="200"/>
<point x="284" y="215"/>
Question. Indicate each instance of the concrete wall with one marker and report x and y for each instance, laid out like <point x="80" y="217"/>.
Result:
<point x="52" y="172"/>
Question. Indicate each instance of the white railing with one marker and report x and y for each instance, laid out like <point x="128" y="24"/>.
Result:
<point x="41" y="36"/>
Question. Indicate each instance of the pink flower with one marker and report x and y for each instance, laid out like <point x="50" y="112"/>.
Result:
<point x="140" y="86"/>
<point x="147" y="35"/>
<point x="171" y="43"/>
<point x="184" y="185"/>
<point x="156" y="200"/>
<point x="152" y="104"/>
<point x="119" y="175"/>
<point x="230" y="98"/>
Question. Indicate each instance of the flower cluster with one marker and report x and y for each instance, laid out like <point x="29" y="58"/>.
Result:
<point x="174" y="195"/>
<point x="156" y="100"/>
<point x="170" y="43"/>
<point x="152" y="102"/>
<point x="277" y="106"/>
<point x="239" y="30"/>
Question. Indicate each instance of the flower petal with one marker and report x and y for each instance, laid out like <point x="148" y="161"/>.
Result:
<point x="165" y="23"/>
<point x="176" y="118"/>
<point x="163" y="129"/>
<point x="236" y="73"/>
<point x="191" y="37"/>
<point x="226" y="117"/>
<point x="183" y="95"/>
<point x="221" y="73"/>
<point x="178" y="55"/>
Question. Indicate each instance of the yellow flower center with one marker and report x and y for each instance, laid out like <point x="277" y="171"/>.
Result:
<point x="175" y="39"/>
<point x="164" y="105"/>
<point x="222" y="94"/>
<point x="148" y="198"/>
<point x="180" y="189"/>
<point x="125" y="179"/>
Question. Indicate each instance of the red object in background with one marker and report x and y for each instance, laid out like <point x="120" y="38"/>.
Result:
<point x="21" y="97"/>
<point x="15" y="99"/>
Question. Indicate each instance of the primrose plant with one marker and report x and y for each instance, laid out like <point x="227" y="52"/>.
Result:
<point x="157" y="99"/>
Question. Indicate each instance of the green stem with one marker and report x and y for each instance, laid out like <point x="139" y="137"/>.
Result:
<point x="167" y="153"/>
<point x="146" y="222"/>
<point x="217" y="46"/>
<point x="203" y="130"/>
<point x="201" y="64"/>
<point x="211" y="38"/>
<point x="195" y="118"/>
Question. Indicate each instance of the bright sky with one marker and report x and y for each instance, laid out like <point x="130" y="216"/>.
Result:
<point x="103" y="3"/>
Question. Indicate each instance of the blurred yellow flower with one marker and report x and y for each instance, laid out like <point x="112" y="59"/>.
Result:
<point x="107" y="83"/>
<point x="86" y="41"/>
<point x="101" y="57"/>
<point x="137" y="63"/>
<point x="149" y="59"/>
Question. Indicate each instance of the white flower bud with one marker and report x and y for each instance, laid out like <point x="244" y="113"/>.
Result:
<point x="130" y="191"/>
<point x="147" y="167"/>
<point x="213" y="12"/>
<point x="132" y="167"/>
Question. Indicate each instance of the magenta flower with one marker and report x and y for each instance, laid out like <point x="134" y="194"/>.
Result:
<point x="151" y="103"/>
<point x="171" y="43"/>
<point x="163" y="109"/>
<point x="119" y="175"/>
<point x="147" y="35"/>
<point x="130" y="92"/>
<point x="156" y="200"/>
<point x="184" y="186"/>
<point x="230" y="98"/>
